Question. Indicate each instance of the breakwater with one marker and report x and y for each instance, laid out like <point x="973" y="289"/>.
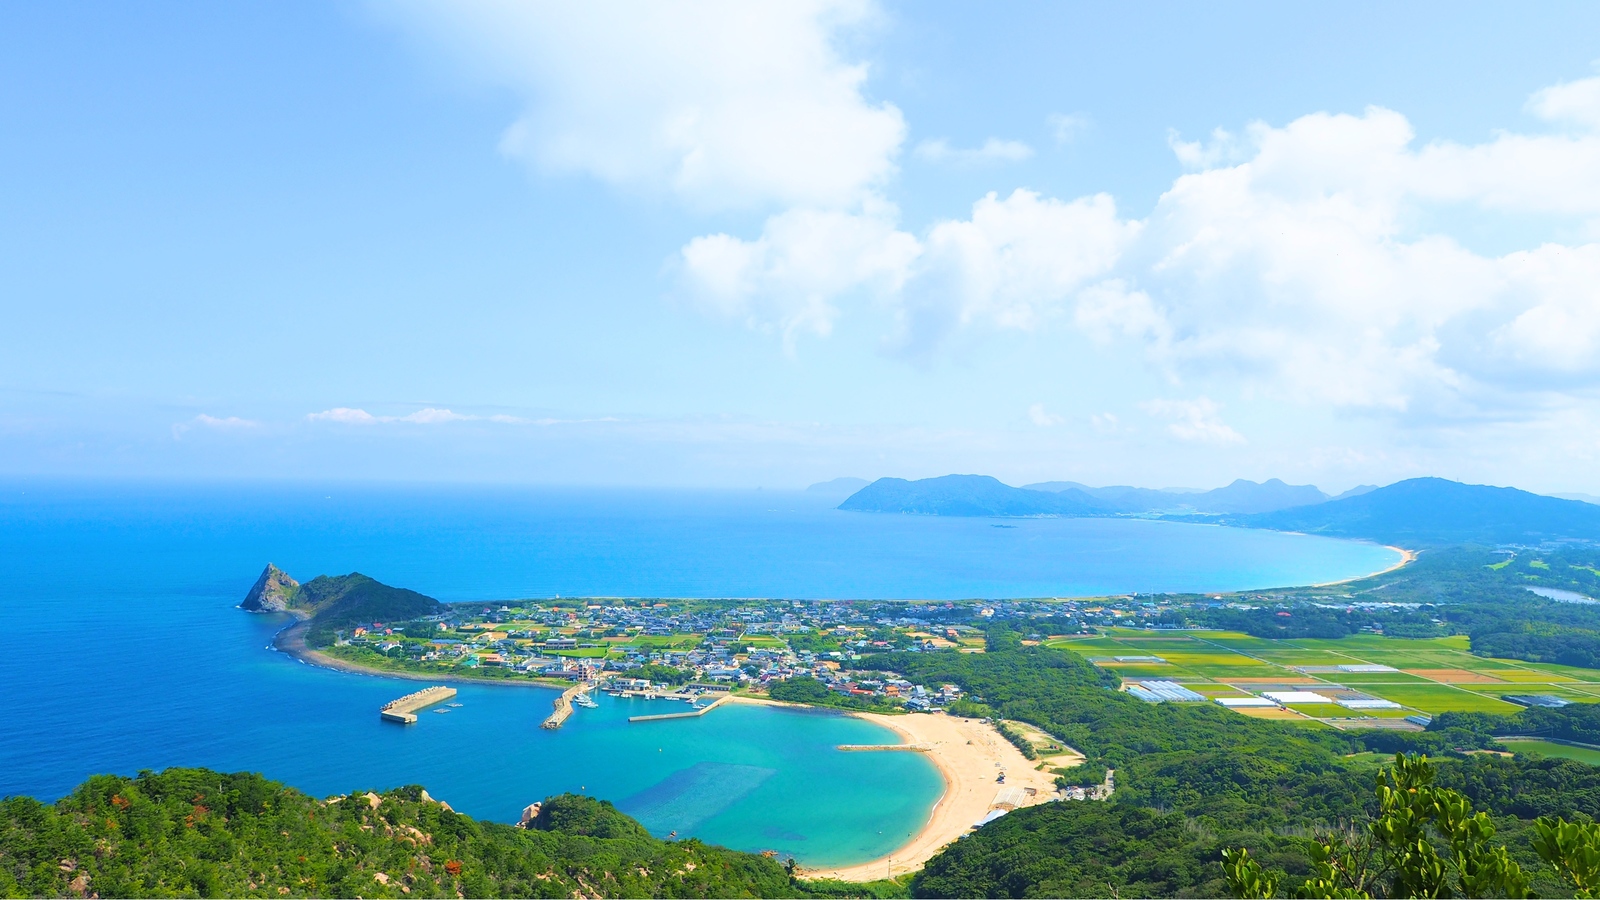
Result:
<point x="691" y="714"/>
<point x="563" y="706"/>
<point x="404" y="709"/>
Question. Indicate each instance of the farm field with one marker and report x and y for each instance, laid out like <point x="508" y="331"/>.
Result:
<point x="1425" y="676"/>
<point x="1551" y="748"/>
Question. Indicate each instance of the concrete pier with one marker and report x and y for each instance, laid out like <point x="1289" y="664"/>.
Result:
<point x="404" y="709"/>
<point x="563" y="706"/>
<point x="691" y="714"/>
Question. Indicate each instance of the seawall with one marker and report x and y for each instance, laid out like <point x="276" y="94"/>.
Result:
<point x="404" y="710"/>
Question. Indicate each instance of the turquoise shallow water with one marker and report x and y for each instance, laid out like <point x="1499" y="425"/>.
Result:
<point x="124" y="651"/>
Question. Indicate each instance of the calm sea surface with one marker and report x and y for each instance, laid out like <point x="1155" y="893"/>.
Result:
<point x="123" y="649"/>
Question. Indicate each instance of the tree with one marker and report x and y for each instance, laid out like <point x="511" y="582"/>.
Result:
<point x="1398" y="854"/>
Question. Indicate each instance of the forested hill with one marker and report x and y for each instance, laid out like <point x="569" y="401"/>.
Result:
<point x="336" y="601"/>
<point x="969" y="495"/>
<point x="1192" y="779"/>
<point x="194" y="832"/>
<point x="1433" y="511"/>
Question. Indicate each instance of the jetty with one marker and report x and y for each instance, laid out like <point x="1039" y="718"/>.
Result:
<point x="690" y="714"/>
<point x="563" y="706"/>
<point x="404" y="710"/>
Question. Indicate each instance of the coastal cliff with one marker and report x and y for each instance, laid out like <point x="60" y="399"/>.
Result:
<point x="274" y="591"/>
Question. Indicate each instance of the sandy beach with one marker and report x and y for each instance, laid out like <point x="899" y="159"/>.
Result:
<point x="970" y="755"/>
<point x="1407" y="557"/>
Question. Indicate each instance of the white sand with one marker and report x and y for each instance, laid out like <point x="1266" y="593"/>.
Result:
<point x="970" y="755"/>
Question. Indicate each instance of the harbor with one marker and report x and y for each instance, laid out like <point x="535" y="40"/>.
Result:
<point x="404" y="710"/>
<point x="577" y="695"/>
<point x="687" y="714"/>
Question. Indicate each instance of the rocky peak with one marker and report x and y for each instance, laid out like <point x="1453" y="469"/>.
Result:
<point x="274" y="591"/>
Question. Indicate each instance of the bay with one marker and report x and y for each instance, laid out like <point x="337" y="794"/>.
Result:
<point x="123" y="649"/>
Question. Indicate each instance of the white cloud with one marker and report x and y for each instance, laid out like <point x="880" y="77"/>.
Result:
<point x="344" y="415"/>
<point x="1195" y="420"/>
<point x="431" y="416"/>
<point x="1105" y="423"/>
<point x="722" y="104"/>
<point x="1575" y="102"/>
<point x="1065" y="127"/>
<point x="993" y="150"/>
<point x="1043" y="419"/>
<point x="226" y="423"/>
<point x="1013" y="263"/>
<point x="787" y="279"/>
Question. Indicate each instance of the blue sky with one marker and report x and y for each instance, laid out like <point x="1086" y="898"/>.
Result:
<point x="741" y="245"/>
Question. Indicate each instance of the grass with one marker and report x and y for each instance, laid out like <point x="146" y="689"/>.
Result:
<point x="1551" y="748"/>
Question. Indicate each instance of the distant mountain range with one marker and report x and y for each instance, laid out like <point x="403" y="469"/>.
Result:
<point x="1435" y="511"/>
<point x="970" y="495"/>
<point x="1416" y="512"/>
<point x="1240" y="497"/>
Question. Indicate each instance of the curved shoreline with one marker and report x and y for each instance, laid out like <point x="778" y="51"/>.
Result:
<point x="968" y="753"/>
<point x="291" y="641"/>
<point x="1407" y="557"/>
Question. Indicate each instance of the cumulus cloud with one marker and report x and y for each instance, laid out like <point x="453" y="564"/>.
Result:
<point x="993" y="150"/>
<point x="345" y="415"/>
<point x="788" y="278"/>
<point x="1011" y="265"/>
<point x="1194" y="420"/>
<point x="1313" y="260"/>
<point x="1573" y="102"/>
<point x="723" y="104"/>
<point x="1290" y="258"/>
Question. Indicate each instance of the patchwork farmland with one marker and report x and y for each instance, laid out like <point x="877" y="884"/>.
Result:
<point x="1343" y="683"/>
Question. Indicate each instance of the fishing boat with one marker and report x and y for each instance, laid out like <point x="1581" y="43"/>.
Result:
<point x="585" y="701"/>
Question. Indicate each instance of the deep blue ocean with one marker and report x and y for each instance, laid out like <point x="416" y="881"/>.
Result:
<point x="124" y="650"/>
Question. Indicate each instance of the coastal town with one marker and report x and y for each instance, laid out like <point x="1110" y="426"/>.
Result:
<point x="751" y="645"/>
<point x="748" y="645"/>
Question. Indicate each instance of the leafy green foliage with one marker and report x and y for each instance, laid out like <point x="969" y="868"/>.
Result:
<point x="193" y="832"/>
<point x="660" y="674"/>
<point x="1574" y="849"/>
<point x="805" y="689"/>
<point x="340" y="601"/>
<point x="1023" y="745"/>
<point x="1424" y="841"/>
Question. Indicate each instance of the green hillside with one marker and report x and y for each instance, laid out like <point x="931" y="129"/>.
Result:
<point x="194" y="832"/>
<point x="333" y="602"/>
<point x="1433" y="512"/>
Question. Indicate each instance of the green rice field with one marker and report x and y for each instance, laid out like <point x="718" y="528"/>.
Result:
<point x="1551" y="748"/>
<point x="1431" y="675"/>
